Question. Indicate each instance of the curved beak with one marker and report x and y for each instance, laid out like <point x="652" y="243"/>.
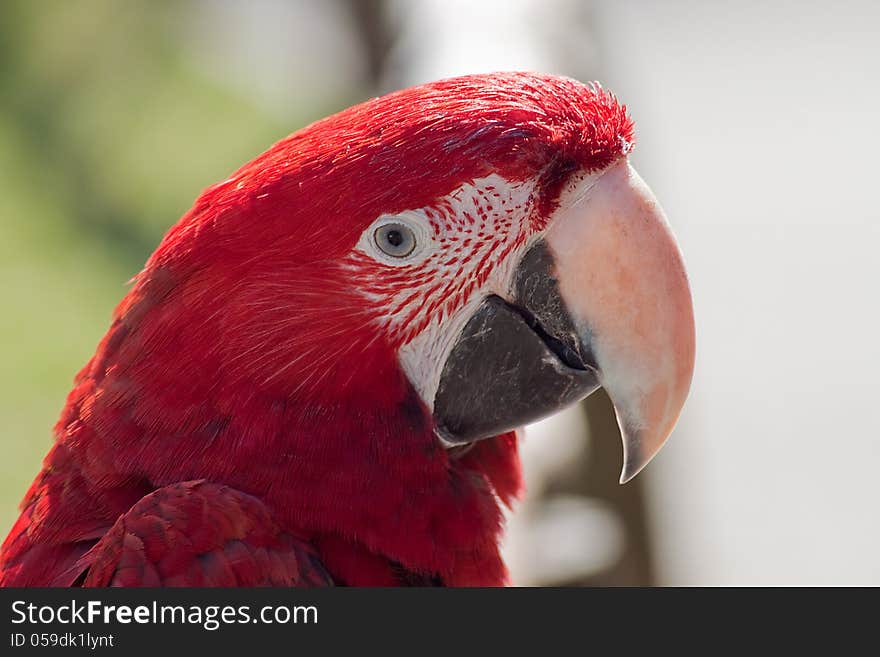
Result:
<point x="602" y="300"/>
<point x="622" y="278"/>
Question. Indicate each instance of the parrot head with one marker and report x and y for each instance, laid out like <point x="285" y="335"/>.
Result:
<point x="397" y="284"/>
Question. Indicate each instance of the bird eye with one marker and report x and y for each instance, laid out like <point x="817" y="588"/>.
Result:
<point x="396" y="240"/>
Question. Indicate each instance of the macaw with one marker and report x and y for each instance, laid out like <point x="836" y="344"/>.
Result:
<point x="319" y="375"/>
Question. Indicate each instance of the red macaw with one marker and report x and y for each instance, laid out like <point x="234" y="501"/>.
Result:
<point x="317" y="376"/>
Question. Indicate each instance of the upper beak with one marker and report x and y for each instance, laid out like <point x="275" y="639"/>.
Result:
<point x="602" y="299"/>
<point x="622" y="278"/>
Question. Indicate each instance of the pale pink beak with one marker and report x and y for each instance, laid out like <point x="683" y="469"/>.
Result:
<point x="623" y="280"/>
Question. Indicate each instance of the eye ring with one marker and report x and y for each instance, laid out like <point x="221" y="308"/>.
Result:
<point x="395" y="239"/>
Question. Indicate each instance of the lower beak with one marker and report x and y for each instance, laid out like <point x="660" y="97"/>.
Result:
<point x="602" y="300"/>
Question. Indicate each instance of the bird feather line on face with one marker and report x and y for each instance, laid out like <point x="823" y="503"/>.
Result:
<point x="477" y="231"/>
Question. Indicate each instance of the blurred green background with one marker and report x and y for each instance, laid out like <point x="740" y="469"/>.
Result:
<point x="108" y="131"/>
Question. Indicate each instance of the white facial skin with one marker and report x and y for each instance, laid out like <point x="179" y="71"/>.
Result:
<point x="468" y="246"/>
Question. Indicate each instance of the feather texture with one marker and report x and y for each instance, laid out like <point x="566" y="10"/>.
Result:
<point x="249" y="361"/>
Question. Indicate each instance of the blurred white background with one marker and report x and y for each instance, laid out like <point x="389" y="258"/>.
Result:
<point x="758" y="130"/>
